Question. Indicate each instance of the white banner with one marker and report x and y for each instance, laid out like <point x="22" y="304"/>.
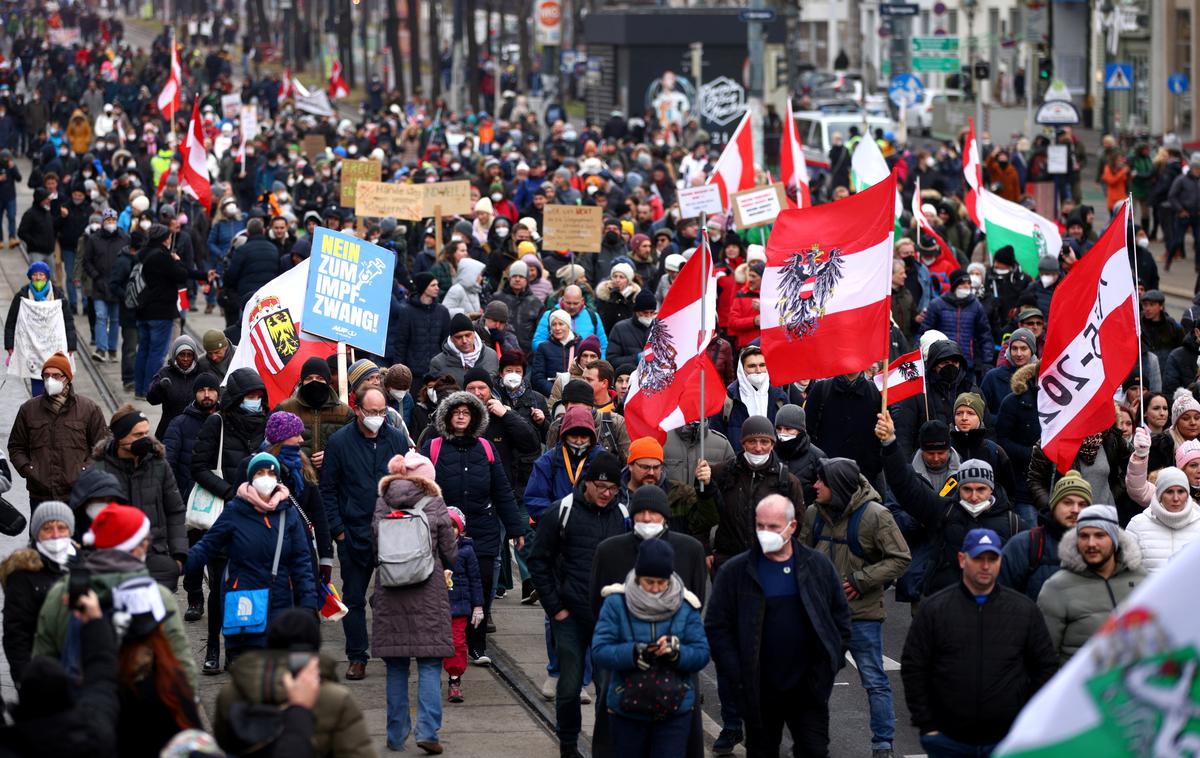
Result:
<point x="40" y="333"/>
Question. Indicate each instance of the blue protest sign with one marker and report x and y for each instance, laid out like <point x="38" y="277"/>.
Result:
<point x="349" y="290"/>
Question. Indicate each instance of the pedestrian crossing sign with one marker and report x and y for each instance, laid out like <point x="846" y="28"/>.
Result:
<point x="1118" y="76"/>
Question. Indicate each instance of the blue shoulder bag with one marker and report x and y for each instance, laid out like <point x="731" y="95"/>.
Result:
<point x="246" y="610"/>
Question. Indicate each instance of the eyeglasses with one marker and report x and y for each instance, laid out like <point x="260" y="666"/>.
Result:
<point x="54" y="375"/>
<point x="374" y="414"/>
<point x="605" y="489"/>
<point x="460" y="412"/>
<point x="648" y="467"/>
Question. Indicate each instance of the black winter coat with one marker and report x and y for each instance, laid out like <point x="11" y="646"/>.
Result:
<point x="350" y="474"/>
<point x="514" y="439"/>
<point x="479" y="489"/>
<point x="26" y="577"/>
<point x="551" y="358"/>
<point x="524" y="312"/>
<point x="37" y="230"/>
<point x="734" y="624"/>
<point x="909" y="414"/>
<point x="118" y="280"/>
<point x="617" y="556"/>
<point x="1018" y="429"/>
<point x="1180" y="368"/>
<point x="970" y="668"/>
<point x="416" y="334"/>
<point x="626" y="342"/>
<point x="164" y="276"/>
<point x="943" y="518"/>
<point x="737" y="489"/>
<point x="975" y="444"/>
<point x="561" y="561"/>
<point x="243" y="435"/>
<point x="841" y="421"/>
<point x="253" y="264"/>
<point x="152" y="489"/>
<point x="180" y="441"/>
<point x="801" y="457"/>
<point x="172" y="389"/>
<point x="101" y="252"/>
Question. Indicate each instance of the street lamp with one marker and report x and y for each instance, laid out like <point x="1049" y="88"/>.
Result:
<point x="1107" y="10"/>
<point x="970" y="6"/>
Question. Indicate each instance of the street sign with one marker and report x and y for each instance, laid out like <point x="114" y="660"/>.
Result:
<point x="905" y="90"/>
<point x="1118" y="76"/>
<point x="935" y="54"/>
<point x="1177" y="83"/>
<point x="934" y="45"/>
<point x="762" y="15"/>
<point x="899" y="9"/>
<point x="1057" y="113"/>
<point x="936" y="65"/>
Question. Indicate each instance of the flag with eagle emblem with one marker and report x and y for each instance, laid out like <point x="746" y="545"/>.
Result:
<point x="664" y="390"/>
<point x="905" y="377"/>
<point x="826" y="292"/>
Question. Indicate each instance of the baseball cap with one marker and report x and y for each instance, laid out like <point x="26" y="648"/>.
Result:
<point x="979" y="541"/>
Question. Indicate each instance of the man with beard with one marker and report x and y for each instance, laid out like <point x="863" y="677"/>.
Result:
<point x="1101" y="566"/>
<point x="1031" y="557"/>
<point x="180" y="440"/>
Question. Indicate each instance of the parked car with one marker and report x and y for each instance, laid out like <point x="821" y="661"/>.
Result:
<point x="920" y="116"/>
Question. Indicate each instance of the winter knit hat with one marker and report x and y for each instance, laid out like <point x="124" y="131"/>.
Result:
<point x="50" y="510"/>
<point x="398" y="377"/>
<point x="1021" y="335"/>
<point x="604" y="467"/>
<point x="359" y="371"/>
<point x="1188" y="451"/>
<point x="976" y="471"/>
<point x="497" y="310"/>
<point x="933" y="435"/>
<point x="118" y="527"/>
<point x="758" y="426"/>
<point x="38" y="267"/>
<point x="1170" y="477"/>
<point x="791" y="416"/>
<point x="458" y="518"/>
<point x="206" y="380"/>
<point x="283" y="425"/>
<point x="214" y="339"/>
<point x="422" y="281"/>
<point x="1072" y="483"/>
<point x="521" y="268"/>
<point x="623" y="268"/>
<point x="972" y="401"/>
<point x="645" y="301"/>
<point x="418" y="465"/>
<point x="459" y="323"/>
<point x="578" y="391"/>
<point x="61" y="362"/>
<point x="649" y="499"/>
<point x="317" y="366"/>
<point x="591" y="344"/>
<point x="558" y="314"/>
<point x="1184" y="402"/>
<point x="645" y="447"/>
<point x="1103" y="517"/>
<point x="262" y="461"/>
<point x="476" y="374"/>
<point x="656" y="558"/>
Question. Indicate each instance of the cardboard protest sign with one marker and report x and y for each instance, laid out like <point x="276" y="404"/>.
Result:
<point x="379" y="199"/>
<point x="355" y="171"/>
<point x="451" y="198"/>
<point x="313" y="145"/>
<point x="572" y="227"/>
<point x="758" y="206"/>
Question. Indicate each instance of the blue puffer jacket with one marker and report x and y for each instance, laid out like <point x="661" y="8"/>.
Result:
<point x="416" y="334"/>
<point x="549" y="482"/>
<point x="471" y="483"/>
<point x="584" y="325"/>
<point x="180" y="439"/>
<point x="467" y="592"/>
<point x="350" y="474"/>
<point x="221" y="235"/>
<point x="965" y="322"/>
<point x="618" y="630"/>
<point x="249" y="538"/>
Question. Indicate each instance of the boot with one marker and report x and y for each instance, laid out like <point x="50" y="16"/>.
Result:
<point x="195" y="609"/>
<point x="212" y="660"/>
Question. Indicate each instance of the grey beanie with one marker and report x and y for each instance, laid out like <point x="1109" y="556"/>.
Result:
<point x="1023" y="335"/>
<point x="50" y="510"/>
<point x="790" y="416"/>
<point x="976" y="471"/>
<point x="1101" y="517"/>
<point x="758" y="426"/>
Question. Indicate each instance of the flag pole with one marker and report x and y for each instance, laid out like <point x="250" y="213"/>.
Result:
<point x="703" y="250"/>
<point x="179" y="84"/>
<point x="1137" y="310"/>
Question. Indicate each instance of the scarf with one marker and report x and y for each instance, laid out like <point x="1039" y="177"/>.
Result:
<point x="43" y="294"/>
<point x="247" y="492"/>
<point x="468" y="359"/>
<point x="646" y="606"/>
<point x="1090" y="448"/>
<point x="1173" y="519"/>
<point x="289" y="455"/>
<point x="755" y="400"/>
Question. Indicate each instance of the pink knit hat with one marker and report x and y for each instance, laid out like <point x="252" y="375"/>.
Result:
<point x="1188" y="451"/>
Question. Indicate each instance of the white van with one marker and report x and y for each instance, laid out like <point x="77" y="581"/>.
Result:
<point x="816" y="130"/>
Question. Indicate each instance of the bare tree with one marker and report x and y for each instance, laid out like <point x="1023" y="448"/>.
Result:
<point x="414" y="45"/>
<point x="435" y="51"/>
<point x="392" y="33"/>
<point x="472" y="63"/>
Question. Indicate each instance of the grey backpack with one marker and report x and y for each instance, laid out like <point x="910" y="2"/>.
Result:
<point x="405" y="546"/>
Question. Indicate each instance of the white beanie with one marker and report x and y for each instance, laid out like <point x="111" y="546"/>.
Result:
<point x="623" y="268"/>
<point x="484" y="205"/>
<point x="756" y="253"/>
<point x="1168" y="477"/>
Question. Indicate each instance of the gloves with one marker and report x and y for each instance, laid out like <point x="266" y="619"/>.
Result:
<point x="326" y="574"/>
<point x="1141" y="442"/>
<point x="476" y="616"/>
<point x="642" y="658"/>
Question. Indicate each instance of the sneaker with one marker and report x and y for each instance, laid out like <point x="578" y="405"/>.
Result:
<point x="112" y="356"/>
<point x="139" y="397"/>
<point x="479" y="659"/>
<point x="885" y="752"/>
<point x="500" y="593"/>
<point x="550" y="687"/>
<point x="726" y="741"/>
<point x="98" y="356"/>
<point x="195" y="610"/>
<point x="529" y="596"/>
<point x="127" y="387"/>
<point x="456" y="695"/>
<point x="585" y="697"/>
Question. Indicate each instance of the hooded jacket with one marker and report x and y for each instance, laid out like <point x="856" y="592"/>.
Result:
<point x="256" y="678"/>
<point x="106" y="570"/>
<point x="319" y="423"/>
<point x="463" y="296"/>
<point x="909" y="414"/>
<point x="1076" y="601"/>
<point x="449" y="362"/>
<point x="417" y="333"/>
<point x="151" y="487"/>
<point x="477" y="487"/>
<point x="886" y="553"/>
<point x="1160" y="534"/>
<point x="164" y="277"/>
<point x="801" y="457"/>
<point x="524" y="309"/>
<point x="233" y="430"/>
<point x="171" y="387"/>
<point x="26" y="577"/>
<point x="48" y="445"/>
<point x="1021" y="569"/>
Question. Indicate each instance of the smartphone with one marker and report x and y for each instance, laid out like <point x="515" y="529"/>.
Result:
<point x="78" y="585"/>
<point x="297" y="661"/>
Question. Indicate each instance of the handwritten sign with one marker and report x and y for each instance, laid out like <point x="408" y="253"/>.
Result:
<point x="313" y="145"/>
<point x="355" y="171"/>
<point x="231" y="105"/>
<point x="400" y="201"/>
<point x="573" y="227"/>
<point x="452" y="198"/>
<point x="758" y="206"/>
<point x="349" y="290"/>
<point x="696" y="200"/>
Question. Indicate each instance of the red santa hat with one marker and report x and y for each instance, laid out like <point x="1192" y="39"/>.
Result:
<point x="118" y="527"/>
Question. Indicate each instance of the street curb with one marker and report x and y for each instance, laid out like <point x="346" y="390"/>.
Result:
<point x="509" y="672"/>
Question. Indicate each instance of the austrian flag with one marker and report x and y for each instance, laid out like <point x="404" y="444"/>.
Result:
<point x="1091" y="345"/>
<point x="905" y="377"/>
<point x="826" y="307"/>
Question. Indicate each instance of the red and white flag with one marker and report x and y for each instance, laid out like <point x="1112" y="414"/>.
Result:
<point x="826" y="292"/>
<point x="273" y="344"/>
<point x="193" y="173"/>
<point x="905" y="377"/>
<point x="168" y="99"/>
<point x="926" y="228"/>
<point x="734" y="171"/>
<point x="337" y="83"/>
<point x="973" y="172"/>
<point x="664" y="391"/>
<point x="1091" y="346"/>
<point x="291" y="87"/>
<point x="792" y="166"/>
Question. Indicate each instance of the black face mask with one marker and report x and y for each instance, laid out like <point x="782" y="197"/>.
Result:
<point x="949" y="373"/>
<point x="314" y="394"/>
<point x="142" y="447"/>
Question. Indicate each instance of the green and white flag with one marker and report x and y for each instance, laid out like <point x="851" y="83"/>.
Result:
<point x="1132" y="690"/>
<point x="868" y="167"/>
<point x="1031" y="235"/>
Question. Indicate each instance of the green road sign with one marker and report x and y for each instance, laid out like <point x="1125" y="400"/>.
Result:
<point x="935" y="44"/>
<point x="942" y="65"/>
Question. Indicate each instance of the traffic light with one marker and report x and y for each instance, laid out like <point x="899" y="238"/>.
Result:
<point x="1045" y="69"/>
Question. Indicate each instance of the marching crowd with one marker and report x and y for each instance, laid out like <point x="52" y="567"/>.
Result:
<point x="489" y="440"/>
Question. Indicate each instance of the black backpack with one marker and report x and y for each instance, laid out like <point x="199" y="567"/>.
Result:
<point x="851" y="540"/>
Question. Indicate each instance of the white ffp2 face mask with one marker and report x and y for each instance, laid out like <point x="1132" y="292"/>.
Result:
<point x="759" y="380"/>
<point x="756" y="459"/>
<point x="398" y="395"/>
<point x="373" y="423"/>
<point x="512" y="380"/>
<point x="647" y="531"/>
<point x="785" y="437"/>
<point x="54" y="387"/>
<point x="265" y="485"/>
<point x="59" y="549"/>
<point x="771" y="542"/>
